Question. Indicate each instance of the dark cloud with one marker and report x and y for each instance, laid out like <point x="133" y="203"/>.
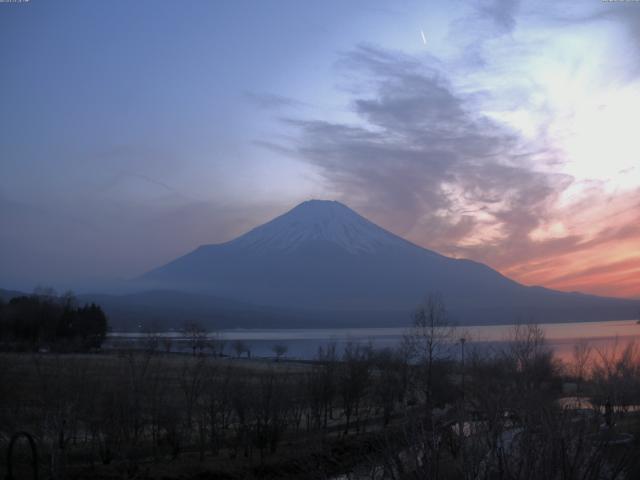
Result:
<point x="501" y="12"/>
<point x="424" y="163"/>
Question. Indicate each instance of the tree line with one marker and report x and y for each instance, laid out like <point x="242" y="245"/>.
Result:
<point x="46" y="321"/>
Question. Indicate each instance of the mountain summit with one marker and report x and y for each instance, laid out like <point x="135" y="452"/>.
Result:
<point x="317" y="221"/>
<point x="323" y="256"/>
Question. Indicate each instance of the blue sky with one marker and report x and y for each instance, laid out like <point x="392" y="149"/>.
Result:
<point x="132" y="132"/>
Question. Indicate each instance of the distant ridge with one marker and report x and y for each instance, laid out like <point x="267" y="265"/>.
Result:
<point x="6" y="295"/>
<point x="323" y="256"/>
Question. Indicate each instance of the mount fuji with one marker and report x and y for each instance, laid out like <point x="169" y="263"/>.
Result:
<point x="321" y="256"/>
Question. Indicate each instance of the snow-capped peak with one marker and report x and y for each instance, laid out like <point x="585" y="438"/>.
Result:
<point x="319" y="220"/>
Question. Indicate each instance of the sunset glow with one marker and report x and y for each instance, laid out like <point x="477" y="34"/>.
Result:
<point x="506" y="133"/>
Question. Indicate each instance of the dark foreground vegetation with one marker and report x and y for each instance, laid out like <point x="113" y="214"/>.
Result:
<point x="421" y="411"/>
<point x="45" y="321"/>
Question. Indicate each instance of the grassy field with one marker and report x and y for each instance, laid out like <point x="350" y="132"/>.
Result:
<point x="166" y="416"/>
<point x="137" y="415"/>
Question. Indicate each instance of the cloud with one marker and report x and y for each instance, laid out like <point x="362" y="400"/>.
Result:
<point x="423" y="161"/>
<point x="421" y="156"/>
<point x="599" y="253"/>
<point x="482" y="22"/>
<point x="501" y="12"/>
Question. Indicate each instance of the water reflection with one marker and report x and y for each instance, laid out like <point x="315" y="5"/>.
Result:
<point x="304" y="343"/>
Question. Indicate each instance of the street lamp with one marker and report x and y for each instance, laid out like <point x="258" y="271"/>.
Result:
<point x="462" y="342"/>
<point x="462" y="415"/>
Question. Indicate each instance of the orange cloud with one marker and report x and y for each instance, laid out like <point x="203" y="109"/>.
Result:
<point x="599" y="255"/>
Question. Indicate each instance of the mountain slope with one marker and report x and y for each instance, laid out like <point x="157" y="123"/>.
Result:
<point x="323" y="255"/>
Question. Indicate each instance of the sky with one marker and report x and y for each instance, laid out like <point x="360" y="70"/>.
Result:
<point x="502" y="131"/>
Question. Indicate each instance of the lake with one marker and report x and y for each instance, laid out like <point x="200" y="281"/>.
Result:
<point x="304" y="343"/>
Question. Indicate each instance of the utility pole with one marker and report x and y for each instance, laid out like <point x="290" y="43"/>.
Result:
<point x="462" y="342"/>
<point x="462" y="413"/>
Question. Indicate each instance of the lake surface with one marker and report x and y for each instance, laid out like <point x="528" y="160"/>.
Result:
<point x="304" y="343"/>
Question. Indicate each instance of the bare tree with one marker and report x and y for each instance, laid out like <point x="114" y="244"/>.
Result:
<point x="580" y="367"/>
<point x="196" y="336"/>
<point x="321" y="386"/>
<point x="167" y="343"/>
<point x="532" y="379"/>
<point x="240" y="347"/>
<point x="270" y="407"/>
<point x="354" y="380"/>
<point x="616" y="376"/>
<point x="151" y="340"/>
<point x="216" y="344"/>
<point x="429" y="340"/>
<point x="389" y="381"/>
<point x="279" y="349"/>
<point x="192" y="383"/>
<point x="215" y="407"/>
